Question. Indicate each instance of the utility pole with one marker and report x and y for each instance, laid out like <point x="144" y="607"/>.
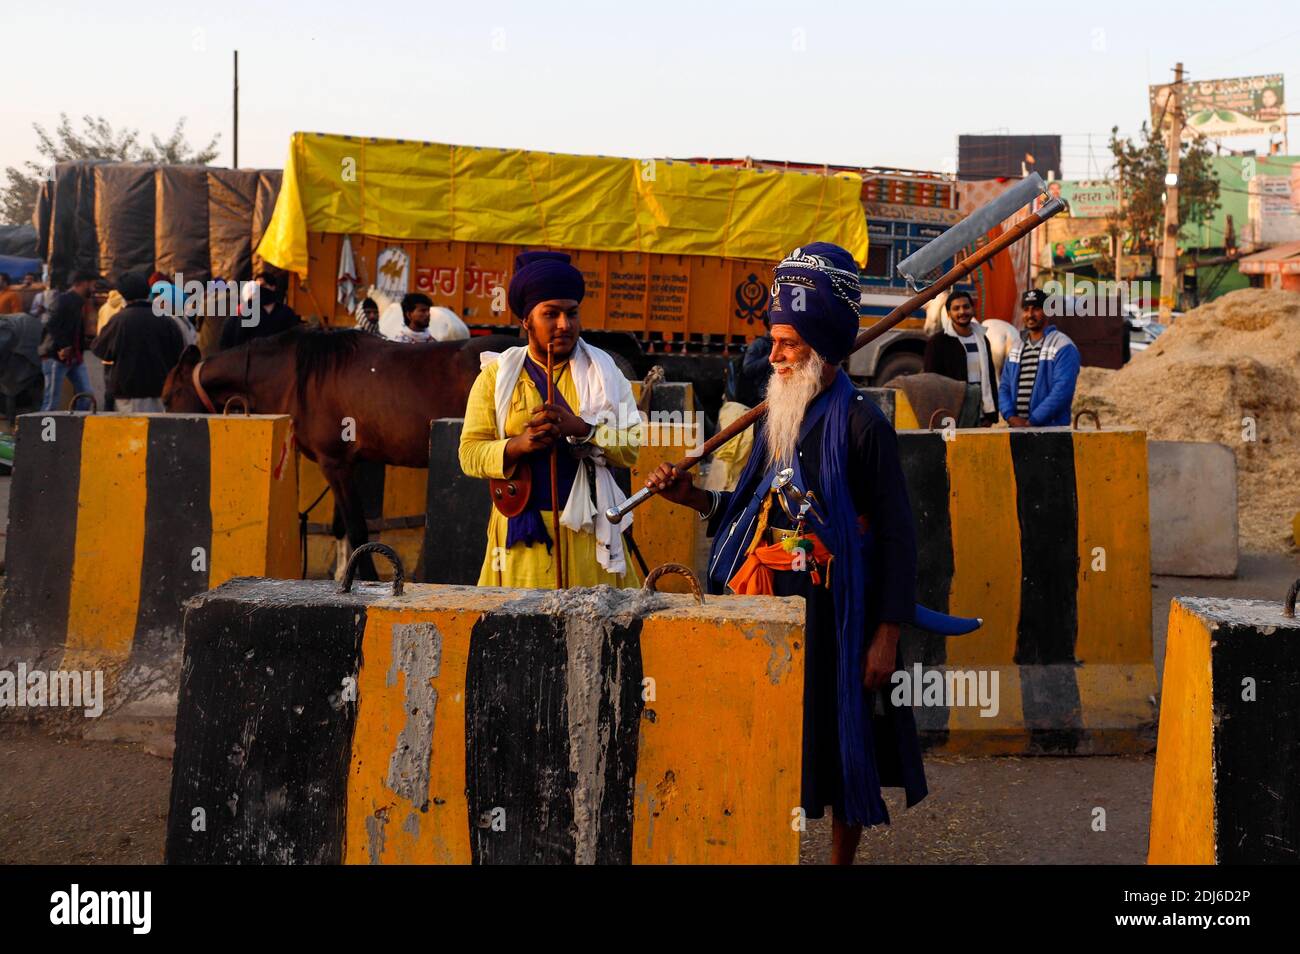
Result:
<point x="1119" y="235"/>
<point x="1170" y="279"/>
<point x="235" y="137"/>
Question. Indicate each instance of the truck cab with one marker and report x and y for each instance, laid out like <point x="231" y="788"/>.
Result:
<point x="897" y="229"/>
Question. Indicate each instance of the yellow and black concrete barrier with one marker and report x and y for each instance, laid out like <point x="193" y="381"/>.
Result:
<point x="893" y="403"/>
<point x="1043" y="533"/>
<point x="1228" y="761"/>
<point x="665" y="532"/>
<point x="457" y="510"/>
<point x="115" y="520"/>
<point x="452" y="724"/>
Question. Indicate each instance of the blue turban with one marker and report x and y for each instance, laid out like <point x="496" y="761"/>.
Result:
<point x="543" y="276"/>
<point x="817" y="291"/>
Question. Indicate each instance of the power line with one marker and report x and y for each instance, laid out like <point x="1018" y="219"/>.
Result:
<point x="1237" y="56"/>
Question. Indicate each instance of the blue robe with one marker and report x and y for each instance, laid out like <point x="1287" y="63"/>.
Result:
<point x="855" y="741"/>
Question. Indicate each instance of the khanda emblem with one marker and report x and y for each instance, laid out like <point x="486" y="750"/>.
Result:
<point x="751" y="299"/>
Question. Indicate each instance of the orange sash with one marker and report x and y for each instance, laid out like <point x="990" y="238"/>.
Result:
<point x="754" y="578"/>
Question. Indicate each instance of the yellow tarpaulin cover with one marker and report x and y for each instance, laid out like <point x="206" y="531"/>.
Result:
<point x="430" y="191"/>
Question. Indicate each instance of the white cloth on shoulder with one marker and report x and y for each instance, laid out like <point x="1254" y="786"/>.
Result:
<point x="604" y="397"/>
<point x="391" y="322"/>
<point x="445" y="325"/>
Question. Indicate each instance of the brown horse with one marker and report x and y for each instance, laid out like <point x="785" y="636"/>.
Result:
<point x="352" y="396"/>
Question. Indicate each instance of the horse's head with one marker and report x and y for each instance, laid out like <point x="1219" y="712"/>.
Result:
<point x="179" y="396"/>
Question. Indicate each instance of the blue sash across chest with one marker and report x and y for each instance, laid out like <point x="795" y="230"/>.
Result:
<point x="734" y="539"/>
<point x="528" y="527"/>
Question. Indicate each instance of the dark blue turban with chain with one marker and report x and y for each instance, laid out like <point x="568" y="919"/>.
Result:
<point x="816" y="290"/>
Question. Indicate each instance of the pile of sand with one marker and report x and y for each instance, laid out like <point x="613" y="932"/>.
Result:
<point x="1233" y="359"/>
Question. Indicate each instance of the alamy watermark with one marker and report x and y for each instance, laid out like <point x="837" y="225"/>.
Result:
<point x="654" y="429"/>
<point x="128" y="908"/>
<point x="947" y="689"/>
<point x="1094" y="298"/>
<point x="39" y="688"/>
<point x="211" y="299"/>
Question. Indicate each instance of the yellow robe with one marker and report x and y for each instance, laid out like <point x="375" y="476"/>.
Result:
<point x="482" y="454"/>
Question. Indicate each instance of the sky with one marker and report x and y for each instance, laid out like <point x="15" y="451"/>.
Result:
<point x="868" y="83"/>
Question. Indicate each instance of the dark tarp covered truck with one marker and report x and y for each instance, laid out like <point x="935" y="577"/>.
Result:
<point x="109" y="217"/>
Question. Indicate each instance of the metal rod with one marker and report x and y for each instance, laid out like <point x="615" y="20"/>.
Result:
<point x="235" y="131"/>
<point x="970" y="230"/>
<point x="950" y="278"/>
<point x="555" y="479"/>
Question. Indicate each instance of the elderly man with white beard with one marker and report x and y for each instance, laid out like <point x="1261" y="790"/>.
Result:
<point x="854" y="561"/>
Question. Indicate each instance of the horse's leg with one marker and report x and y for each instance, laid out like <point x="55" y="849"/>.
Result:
<point x="342" y="552"/>
<point x="348" y="497"/>
<point x="341" y="549"/>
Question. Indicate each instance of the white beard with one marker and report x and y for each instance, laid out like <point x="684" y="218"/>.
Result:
<point x="788" y="397"/>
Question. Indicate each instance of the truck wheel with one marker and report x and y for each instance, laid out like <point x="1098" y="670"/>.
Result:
<point x="896" y="366"/>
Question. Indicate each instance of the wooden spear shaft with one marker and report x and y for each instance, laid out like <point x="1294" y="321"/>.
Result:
<point x="950" y="278"/>
<point x="558" y="549"/>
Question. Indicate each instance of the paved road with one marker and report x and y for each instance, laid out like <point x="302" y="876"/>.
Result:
<point x="70" y="802"/>
<point x="101" y="803"/>
<point x="1013" y="811"/>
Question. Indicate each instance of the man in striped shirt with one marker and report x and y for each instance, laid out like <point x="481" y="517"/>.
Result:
<point x="1041" y="370"/>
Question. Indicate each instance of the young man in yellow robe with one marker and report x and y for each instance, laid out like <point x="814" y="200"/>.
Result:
<point x="594" y="422"/>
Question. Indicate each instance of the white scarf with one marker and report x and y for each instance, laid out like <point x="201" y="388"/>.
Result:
<point x="604" y="397"/>
<point x="986" y="386"/>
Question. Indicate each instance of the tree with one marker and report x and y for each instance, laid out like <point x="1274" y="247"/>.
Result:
<point x="96" y="140"/>
<point x="174" y="150"/>
<point x="1139" y="172"/>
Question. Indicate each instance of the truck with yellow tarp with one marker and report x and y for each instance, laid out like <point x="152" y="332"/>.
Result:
<point x="677" y="255"/>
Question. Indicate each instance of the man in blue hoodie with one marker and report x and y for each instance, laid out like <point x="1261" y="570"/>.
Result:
<point x="1038" y="378"/>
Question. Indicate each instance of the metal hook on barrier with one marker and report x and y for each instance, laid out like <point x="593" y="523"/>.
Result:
<point x="664" y="569"/>
<point x="225" y="408"/>
<point x="937" y="411"/>
<point x="94" y="404"/>
<point x="1087" y="413"/>
<point x="399" y="573"/>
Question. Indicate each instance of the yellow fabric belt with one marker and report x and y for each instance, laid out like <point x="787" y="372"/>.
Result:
<point x="780" y="534"/>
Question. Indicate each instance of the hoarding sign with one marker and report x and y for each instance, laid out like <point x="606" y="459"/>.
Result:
<point x="1275" y="207"/>
<point x="1079" y="251"/>
<point x="1244" y="106"/>
<point x="1087" y="200"/>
